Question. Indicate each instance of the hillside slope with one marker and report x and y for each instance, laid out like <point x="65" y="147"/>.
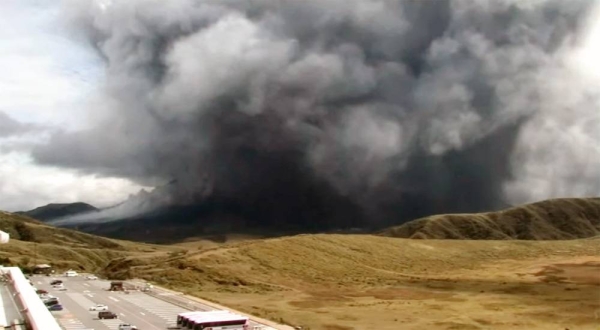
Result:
<point x="554" y="219"/>
<point x="344" y="282"/>
<point x="33" y="242"/>
<point x="56" y="210"/>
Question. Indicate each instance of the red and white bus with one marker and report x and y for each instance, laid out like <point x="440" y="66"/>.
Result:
<point x="213" y="320"/>
<point x="183" y="319"/>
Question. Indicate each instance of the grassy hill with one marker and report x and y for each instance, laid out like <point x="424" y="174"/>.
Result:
<point x="56" y="210"/>
<point x="33" y="242"/>
<point x="331" y="281"/>
<point x="566" y="218"/>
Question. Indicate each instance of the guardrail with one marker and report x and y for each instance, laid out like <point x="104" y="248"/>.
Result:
<point x="37" y="315"/>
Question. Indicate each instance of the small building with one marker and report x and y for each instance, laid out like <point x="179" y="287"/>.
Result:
<point x="4" y="237"/>
<point x="43" y="269"/>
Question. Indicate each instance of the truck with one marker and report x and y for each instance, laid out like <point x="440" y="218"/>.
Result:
<point x="116" y="286"/>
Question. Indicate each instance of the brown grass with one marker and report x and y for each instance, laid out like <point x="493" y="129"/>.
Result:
<point x="567" y="218"/>
<point x="364" y="281"/>
<point x="32" y="242"/>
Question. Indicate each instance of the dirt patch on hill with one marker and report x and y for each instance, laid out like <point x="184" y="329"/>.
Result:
<point x="577" y="273"/>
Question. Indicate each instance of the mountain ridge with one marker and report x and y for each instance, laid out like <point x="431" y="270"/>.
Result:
<point x="563" y="218"/>
<point x="553" y="219"/>
<point x="58" y="210"/>
<point x="32" y="242"/>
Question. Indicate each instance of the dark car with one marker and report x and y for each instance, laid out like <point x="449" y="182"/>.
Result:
<point x="107" y="315"/>
<point x="56" y="307"/>
<point x="51" y="302"/>
<point x="41" y="291"/>
<point x="55" y="282"/>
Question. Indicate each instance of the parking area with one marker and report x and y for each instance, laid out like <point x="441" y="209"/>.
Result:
<point x="79" y="294"/>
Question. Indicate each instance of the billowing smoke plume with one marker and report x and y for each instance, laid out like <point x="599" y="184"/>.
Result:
<point x="341" y="111"/>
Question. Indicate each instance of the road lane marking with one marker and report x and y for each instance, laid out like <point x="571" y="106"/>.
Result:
<point x="90" y="295"/>
<point x="122" y="314"/>
<point x="113" y="299"/>
<point x="86" y="284"/>
<point x="142" y="313"/>
<point x="39" y="282"/>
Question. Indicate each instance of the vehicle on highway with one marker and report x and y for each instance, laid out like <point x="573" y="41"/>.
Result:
<point x="99" y="307"/>
<point x="41" y="291"/>
<point x="45" y="296"/>
<point x="59" y="287"/>
<point x="51" y="303"/>
<point x="181" y="317"/>
<point x="56" y="307"/>
<point x="107" y="315"/>
<point x="55" y="282"/>
<point x="91" y="277"/>
<point x="70" y="273"/>
<point x="126" y="326"/>
<point x="212" y="319"/>
<point x="116" y="286"/>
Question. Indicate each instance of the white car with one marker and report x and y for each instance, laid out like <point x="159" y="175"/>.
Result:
<point x="70" y="273"/>
<point x="125" y="326"/>
<point x="99" y="307"/>
<point x="59" y="286"/>
<point x="91" y="277"/>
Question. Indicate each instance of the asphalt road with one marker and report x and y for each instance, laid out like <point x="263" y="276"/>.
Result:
<point x="137" y="308"/>
<point x="188" y="304"/>
<point x="153" y="311"/>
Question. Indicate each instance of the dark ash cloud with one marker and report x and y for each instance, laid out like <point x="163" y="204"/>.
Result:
<point x="332" y="111"/>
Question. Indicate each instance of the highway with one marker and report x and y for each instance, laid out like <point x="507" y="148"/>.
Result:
<point x="137" y="308"/>
<point x="178" y="299"/>
<point x="146" y="311"/>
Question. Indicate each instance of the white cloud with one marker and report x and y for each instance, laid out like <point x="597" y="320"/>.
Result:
<point x="46" y="76"/>
<point x="24" y="185"/>
<point x="46" y="79"/>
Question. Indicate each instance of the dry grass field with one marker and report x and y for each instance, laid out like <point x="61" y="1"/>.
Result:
<point x="372" y="282"/>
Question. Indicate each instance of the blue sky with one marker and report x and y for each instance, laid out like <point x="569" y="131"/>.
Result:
<point x="47" y="78"/>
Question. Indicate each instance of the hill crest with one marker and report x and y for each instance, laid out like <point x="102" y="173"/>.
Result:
<point x="33" y="242"/>
<point x="58" y="210"/>
<point x="554" y="219"/>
